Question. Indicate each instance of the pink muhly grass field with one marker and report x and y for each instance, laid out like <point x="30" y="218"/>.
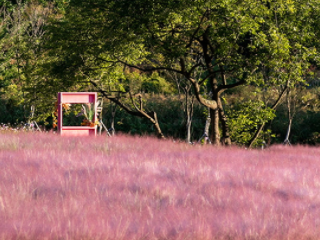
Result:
<point x="124" y="187"/>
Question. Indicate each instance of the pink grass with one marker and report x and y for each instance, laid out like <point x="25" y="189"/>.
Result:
<point x="124" y="187"/>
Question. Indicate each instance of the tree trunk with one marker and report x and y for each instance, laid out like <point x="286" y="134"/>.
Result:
<point x="286" y="140"/>
<point x="290" y="118"/>
<point x="225" y="128"/>
<point x="156" y="124"/>
<point x="256" y="135"/>
<point x="188" y="127"/>
<point x="189" y="114"/>
<point x="214" y="113"/>
<point x="205" y="135"/>
<point x="215" y="131"/>
<point x="113" y="114"/>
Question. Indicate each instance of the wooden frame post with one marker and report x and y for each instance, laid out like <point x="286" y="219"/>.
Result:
<point x="76" y="98"/>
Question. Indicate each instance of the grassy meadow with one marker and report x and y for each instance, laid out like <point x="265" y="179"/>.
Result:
<point x="126" y="187"/>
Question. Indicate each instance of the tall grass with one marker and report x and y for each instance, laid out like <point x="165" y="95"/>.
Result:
<point x="123" y="187"/>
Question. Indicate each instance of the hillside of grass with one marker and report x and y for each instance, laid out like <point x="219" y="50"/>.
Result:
<point x="126" y="187"/>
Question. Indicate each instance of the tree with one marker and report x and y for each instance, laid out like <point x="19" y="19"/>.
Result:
<point x="20" y="43"/>
<point x="233" y="42"/>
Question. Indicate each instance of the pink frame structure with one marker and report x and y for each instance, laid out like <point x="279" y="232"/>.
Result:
<point x="72" y="98"/>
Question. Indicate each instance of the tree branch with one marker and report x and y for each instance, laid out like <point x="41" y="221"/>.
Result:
<point x="222" y="88"/>
<point x="197" y="30"/>
<point x="149" y="69"/>
<point x="257" y="133"/>
<point x="151" y="116"/>
<point x="212" y="104"/>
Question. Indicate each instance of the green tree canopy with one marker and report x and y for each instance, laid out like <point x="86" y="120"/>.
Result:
<point x="232" y="42"/>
